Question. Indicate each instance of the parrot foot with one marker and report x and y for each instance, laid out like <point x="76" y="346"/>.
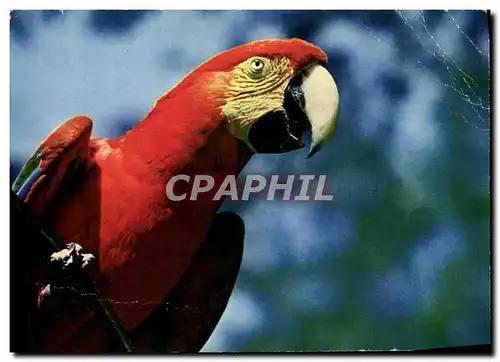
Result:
<point x="65" y="276"/>
<point x="72" y="257"/>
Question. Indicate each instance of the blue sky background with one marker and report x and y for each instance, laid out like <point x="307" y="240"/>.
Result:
<point x="400" y="257"/>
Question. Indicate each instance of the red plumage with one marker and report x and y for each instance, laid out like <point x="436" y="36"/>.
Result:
<point x="118" y="211"/>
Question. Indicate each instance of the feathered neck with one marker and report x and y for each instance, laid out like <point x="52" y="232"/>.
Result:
<point x="185" y="132"/>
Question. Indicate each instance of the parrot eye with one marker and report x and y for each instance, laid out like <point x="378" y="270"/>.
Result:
<point x="257" y="65"/>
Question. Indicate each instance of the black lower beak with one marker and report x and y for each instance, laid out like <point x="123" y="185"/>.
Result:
<point x="282" y="131"/>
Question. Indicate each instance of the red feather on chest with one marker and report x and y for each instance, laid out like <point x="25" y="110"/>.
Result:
<point x="143" y="241"/>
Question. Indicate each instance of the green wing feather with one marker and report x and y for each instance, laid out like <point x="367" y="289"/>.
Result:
<point x="28" y="175"/>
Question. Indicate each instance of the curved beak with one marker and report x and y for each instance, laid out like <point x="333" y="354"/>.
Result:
<point x="321" y="98"/>
<point x="311" y="104"/>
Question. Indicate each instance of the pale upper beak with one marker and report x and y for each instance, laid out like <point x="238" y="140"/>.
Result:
<point x="321" y="98"/>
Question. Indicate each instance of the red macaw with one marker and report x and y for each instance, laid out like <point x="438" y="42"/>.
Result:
<point x="107" y="196"/>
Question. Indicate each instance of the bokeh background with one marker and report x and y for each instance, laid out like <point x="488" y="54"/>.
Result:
<point x="401" y="257"/>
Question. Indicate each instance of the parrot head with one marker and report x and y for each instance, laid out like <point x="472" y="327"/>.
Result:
<point x="271" y="94"/>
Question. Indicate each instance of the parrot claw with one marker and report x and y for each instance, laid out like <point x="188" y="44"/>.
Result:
<point x="65" y="273"/>
<point x="87" y="259"/>
<point x="72" y="257"/>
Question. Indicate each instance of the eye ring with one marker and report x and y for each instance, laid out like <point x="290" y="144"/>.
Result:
<point x="257" y="65"/>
